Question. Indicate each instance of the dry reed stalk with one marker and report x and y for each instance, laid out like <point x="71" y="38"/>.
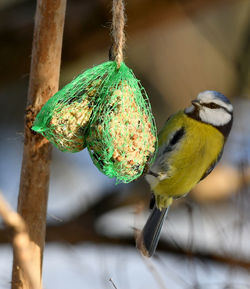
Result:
<point x="20" y="241"/>
<point x="44" y="78"/>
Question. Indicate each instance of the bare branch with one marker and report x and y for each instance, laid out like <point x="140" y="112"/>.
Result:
<point x="34" y="181"/>
<point x="20" y="241"/>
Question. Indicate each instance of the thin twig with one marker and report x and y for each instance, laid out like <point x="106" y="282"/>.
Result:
<point x="111" y="281"/>
<point x="154" y="272"/>
<point x="21" y="242"/>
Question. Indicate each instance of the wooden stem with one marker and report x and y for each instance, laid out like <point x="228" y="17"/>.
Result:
<point x="44" y="77"/>
<point x="21" y="242"/>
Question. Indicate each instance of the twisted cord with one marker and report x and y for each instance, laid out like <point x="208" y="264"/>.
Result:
<point x="118" y="22"/>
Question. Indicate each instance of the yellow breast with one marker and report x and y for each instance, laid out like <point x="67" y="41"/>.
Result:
<point x="197" y="150"/>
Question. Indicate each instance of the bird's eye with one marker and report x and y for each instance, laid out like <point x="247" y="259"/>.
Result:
<point x="213" y="105"/>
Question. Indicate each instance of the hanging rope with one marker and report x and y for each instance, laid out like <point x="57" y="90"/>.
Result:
<point x="118" y="22"/>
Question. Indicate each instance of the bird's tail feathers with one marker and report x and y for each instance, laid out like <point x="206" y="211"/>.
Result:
<point x="148" y="239"/>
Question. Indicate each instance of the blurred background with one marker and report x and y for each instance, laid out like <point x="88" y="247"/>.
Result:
<point x="177" y="48"/>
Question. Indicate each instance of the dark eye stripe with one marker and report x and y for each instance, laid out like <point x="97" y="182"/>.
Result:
<point x="211" y="105"/>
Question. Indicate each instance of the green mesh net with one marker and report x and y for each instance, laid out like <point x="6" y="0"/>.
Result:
<point x="122" y="136"/>
<point x="107" y="110"/>
<point x="64" y="119"/>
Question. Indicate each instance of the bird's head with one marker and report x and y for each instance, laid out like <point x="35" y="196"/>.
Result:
<point x="213" y="108"/>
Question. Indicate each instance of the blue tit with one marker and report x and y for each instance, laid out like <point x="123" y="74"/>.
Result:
<point x="190" y="145"/>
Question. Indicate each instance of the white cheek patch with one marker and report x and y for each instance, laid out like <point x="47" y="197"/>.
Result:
<point x="216" y="117"/>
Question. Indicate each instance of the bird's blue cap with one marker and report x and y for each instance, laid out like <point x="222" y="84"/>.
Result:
<point x="219" y="95"/>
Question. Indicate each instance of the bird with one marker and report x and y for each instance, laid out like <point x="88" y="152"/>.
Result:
<point x="191" y="143"/>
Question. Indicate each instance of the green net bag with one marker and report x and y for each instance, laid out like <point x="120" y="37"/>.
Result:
<point x="122" y="137"/>
<point x="64" y="119"/>
<point x="107" y="110"/>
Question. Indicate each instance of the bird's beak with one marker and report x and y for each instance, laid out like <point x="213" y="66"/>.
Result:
<point x="196" y="103"/>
